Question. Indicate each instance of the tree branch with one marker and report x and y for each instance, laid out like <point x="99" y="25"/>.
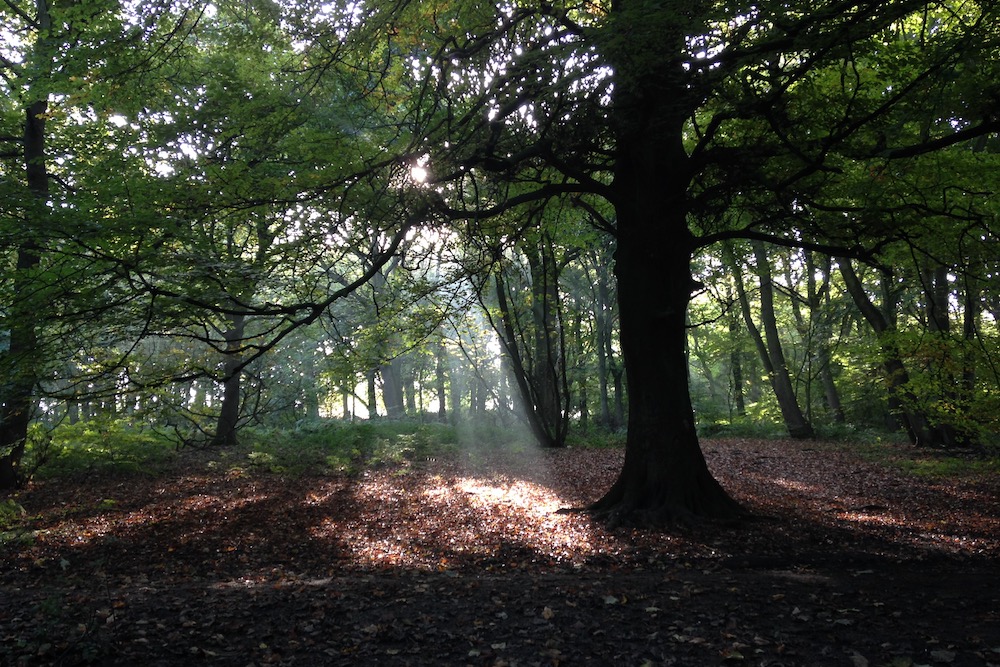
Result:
<point x="986" y="127"/>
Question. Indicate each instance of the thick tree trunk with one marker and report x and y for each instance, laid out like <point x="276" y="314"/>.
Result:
<point x="664" y="476"/>
<point x="392" y="389"/>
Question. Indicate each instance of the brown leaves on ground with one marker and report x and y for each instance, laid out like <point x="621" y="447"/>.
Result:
<point x="468" y="561"/>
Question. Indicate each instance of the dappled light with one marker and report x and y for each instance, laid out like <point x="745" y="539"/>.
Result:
<point x="472" y="550"/>
<point x="448" y="519"/>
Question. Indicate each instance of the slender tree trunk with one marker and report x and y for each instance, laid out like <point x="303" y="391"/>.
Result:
<point x="229" y="414"/>
<point x="736" y="360"/>
<point x="796" y="423"/>
<point x="579" y="372"/>
<point x="819" y="328"/>
<point x="372" y="394"/>
<point x="440" y="380"/>
<point x="547" y="370"/>
<point x="705" y="363"/>
<point x="535" y="399"/>
<point x="602" y="330"/>
<point x="618" y="382"/>
<point x="769" y="350"/>
<point x="970" y="330"/>
<point x="900" y="400"/>
<point x="456" y="389"/>
<point x="410" y="391"/>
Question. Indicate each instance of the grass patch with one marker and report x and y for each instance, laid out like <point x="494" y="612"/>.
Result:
<point x="741" y="428"/>
<point x="929" y="463"/>
<point x="595" y="437"/>
<point x="941" y="466"/>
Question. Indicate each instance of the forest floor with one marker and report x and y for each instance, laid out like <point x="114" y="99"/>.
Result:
<point x="465" y="560"/>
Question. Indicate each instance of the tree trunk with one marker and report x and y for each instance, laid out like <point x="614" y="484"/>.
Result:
<point x="19" y="359"/>
<point x="900" y="399"/>
<point x="392" y="389"/>
<point x="547" y="370"/>
<point x="410" y="392"/>
<point x="736" y="361"/>
<point x="769" y="351"/>
<point x="796" y="423"/>
<point x="440" y="380"/>
<point x="664" y="475"/>
<point x="603" y="331"/>
<point x="456" y="375"/>
<point x="229" y="414"/>
<point x="535" y="398"/>
<point x="372" y="395"/>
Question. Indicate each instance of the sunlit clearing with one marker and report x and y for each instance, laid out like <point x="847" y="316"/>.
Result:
<point x="456" y="521"/>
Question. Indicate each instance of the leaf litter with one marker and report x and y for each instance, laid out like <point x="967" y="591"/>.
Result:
<point x="467" y="560"/>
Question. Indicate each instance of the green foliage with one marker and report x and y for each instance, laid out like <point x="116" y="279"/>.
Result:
<point x="950" y="466"/>
<point x="331" y="446"/>
<point x="930" y="464"/>
<point x="11" y="514"/>
<point x="595" y="437"/>
<point x="12" y="530"/>
<point x="743" y="427"/>
<point x="102" y="446"/>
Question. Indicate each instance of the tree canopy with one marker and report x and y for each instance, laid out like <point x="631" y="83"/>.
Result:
<point x="635" y="214"/>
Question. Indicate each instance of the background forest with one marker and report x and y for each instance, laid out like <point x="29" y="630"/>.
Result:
<point x="238" y="216"/>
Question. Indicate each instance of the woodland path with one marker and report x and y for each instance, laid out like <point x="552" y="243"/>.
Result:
<point x="465" y="561"/>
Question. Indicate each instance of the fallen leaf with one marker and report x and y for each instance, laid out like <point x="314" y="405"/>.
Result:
<point x="943" y="656"/>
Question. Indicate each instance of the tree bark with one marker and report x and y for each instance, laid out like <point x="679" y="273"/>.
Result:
<point x="736" y="360"/>
<point x="664" y="476"/>
<point x="392" y="389"/>
<point x="536" y="399"/>
<point x="19" y="362"/>
<point x="440" y="380"/>
<point x="229" y="414"/>
<point x="781" y="381"/>
<point x="900" y="399"/>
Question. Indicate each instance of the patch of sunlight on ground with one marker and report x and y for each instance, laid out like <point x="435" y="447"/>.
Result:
<point x="445" y="520"/>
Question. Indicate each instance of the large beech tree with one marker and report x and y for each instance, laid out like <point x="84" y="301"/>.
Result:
<point x="696" y="122"/>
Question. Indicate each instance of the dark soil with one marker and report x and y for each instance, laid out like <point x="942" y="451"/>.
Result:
<point x="466" y="561"/>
